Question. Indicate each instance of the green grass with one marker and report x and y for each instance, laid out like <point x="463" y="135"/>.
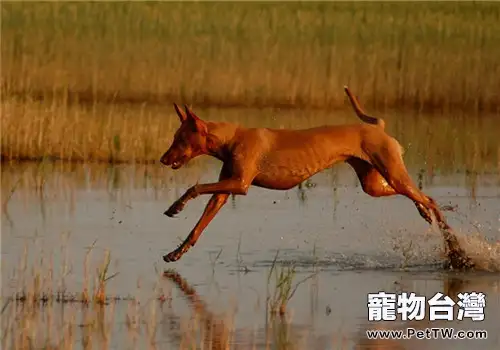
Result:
<point x="416" y="55"/>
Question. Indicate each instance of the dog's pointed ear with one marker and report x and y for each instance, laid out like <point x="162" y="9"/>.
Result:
<point x="198" y="124"/>
<point x="180" y="113"/>
<point x="189" y="113"/>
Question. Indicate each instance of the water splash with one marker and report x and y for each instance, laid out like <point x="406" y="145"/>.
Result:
<point x="485" y="255"/>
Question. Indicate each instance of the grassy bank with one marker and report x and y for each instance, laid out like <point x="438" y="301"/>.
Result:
<point x="442" y="143"/>
<point x="419" y="55"/>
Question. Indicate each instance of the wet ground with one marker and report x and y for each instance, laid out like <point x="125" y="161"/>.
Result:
<point x="342" y="243"/>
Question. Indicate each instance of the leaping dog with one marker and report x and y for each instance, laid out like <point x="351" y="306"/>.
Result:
<point x="281" y="159"/>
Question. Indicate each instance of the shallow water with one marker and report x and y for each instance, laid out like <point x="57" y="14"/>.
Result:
<point x="343" y="242"/>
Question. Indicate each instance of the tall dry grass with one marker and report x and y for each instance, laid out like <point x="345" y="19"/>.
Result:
<point x="78" y="57"/>
<point x="418" y="55"/>
<point x="437" y="143"/>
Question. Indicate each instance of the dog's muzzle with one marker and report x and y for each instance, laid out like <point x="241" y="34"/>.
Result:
<point x="175" y="164"/>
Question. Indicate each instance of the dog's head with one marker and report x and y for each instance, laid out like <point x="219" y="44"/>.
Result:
<point x="190" y="140"/>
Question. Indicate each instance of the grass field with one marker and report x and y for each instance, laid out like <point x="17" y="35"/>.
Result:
<point x="80" y="80"/>
<point x="443" y="143"/>
<point x="417" y="55"/>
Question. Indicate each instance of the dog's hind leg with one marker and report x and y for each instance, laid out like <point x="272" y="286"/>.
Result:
<point x="374" y="184"/>
<point x="371" y="181"/>
<point x="389" y="163"/>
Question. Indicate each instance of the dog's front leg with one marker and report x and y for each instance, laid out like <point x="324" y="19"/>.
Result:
<point x="228" y="186"/>
<point x="212" y="208"/>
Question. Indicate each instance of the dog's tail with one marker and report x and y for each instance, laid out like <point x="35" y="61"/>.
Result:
<point x="359" y="111"/>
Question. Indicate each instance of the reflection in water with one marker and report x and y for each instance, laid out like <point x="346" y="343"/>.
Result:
<point x="217" y="332"/>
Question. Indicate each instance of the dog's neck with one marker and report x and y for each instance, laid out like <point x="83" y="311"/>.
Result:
<point x="219" y="139"/>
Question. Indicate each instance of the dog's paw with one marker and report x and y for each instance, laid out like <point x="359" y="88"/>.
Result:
<point x="172" y="256"/>
<point x="177" y="253"/>
<point x="174" y="209"/>
<point x="169" y="213"/>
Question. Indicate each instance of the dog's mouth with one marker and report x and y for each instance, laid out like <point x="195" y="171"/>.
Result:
<point x="176" y="165"/>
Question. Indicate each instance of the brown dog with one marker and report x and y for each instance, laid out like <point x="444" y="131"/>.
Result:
<point x="282" y="159"/>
